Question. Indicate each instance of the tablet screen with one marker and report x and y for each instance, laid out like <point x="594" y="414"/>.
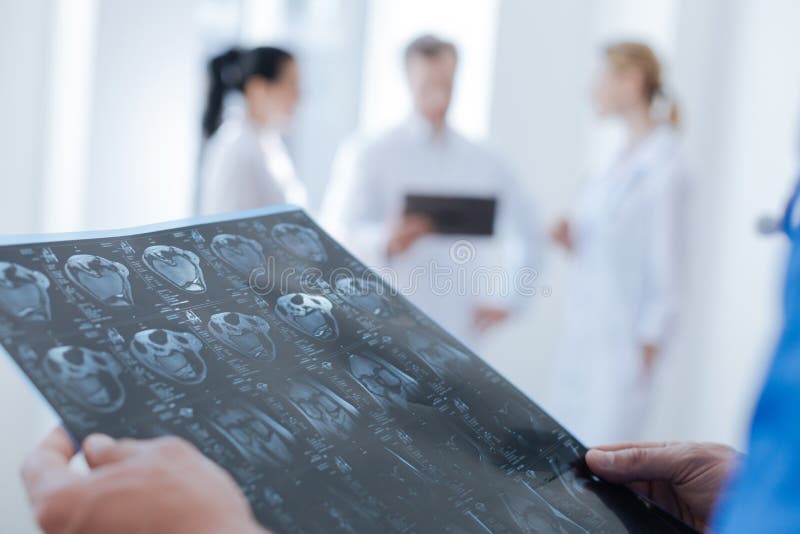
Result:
<point x="455" y="215"/>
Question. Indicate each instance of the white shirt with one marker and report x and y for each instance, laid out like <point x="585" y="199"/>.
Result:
<point x="247" y="167"/>
<point x="366" y="198"/>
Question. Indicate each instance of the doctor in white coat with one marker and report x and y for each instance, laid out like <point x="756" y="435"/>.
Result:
<point x="455" y="279"/>
<point x="245" y="162"/>
<point x="626" y="239"/>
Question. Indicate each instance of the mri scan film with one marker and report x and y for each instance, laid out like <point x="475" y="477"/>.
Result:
<point x="173" y="355"/>
<point x="301" y="241"/>
<point x="23" y="293"/>
<point x="246" y="334"/>
<point x="310" y="314"/>
<point x="333" y="402"/>
<point x="88" y="377"/>
<point x="179" y="267"/>
<point x="243" y="254"/>
<point x="105" y="281"/>
<point x="366" y="295"/>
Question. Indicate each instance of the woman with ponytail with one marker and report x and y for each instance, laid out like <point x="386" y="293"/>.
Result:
<point x="626" y="237"/>
<point x="246" y="164"/>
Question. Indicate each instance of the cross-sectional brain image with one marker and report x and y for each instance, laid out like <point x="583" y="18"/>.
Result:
<point x="246" y="334"/>
<point x="441" y="356"/>
<point x="386" y="383"/>
<point x="173" y="355"/>
<point x="104" y="280"/>
<point x="327" y="412"/>
<point x="310" y="314"/>
<point x="179" y="267"/>
<point x="529" y="511"/>
<point x="90" y="378"/>
<point x="23" y="293"/>
<point x="342" y="511"/>
<point x="364" y="294"/>
<point x="301" y="241"/>
<point x="256" y="437"/>
<point x="243" y="254"/>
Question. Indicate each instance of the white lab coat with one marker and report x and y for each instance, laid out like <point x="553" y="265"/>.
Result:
<point x="365" y="201"/>
<point x="628" y="262"/>
<point x="247" y="166"/>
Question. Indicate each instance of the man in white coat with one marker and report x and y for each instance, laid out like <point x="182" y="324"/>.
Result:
<point x="467" y="283"/>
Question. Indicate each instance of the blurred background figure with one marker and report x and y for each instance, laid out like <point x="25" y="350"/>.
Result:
<point x="626" y="236"/>
<point x="246" y="164"/>
<point x="368" y="205"/>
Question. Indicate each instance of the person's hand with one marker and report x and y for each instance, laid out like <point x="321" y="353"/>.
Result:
<point x="649" y="354"/>
<point x="684" y="478"/>
<point x="561" y="234"/>
<point x="485" y="317"/>
<point x="159" y="486"/>
<point x="407" y="232"/>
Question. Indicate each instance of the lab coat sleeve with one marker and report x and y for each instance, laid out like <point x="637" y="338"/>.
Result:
<point x="353" y="209"/>
<point x="236" y="180"/>
<point x="665" y="259"/>
<point x="518" y="220"/>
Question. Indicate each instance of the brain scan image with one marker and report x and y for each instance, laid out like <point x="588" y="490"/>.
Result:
<point x="365" y="295"/>
<point x="246" y="334"/>
<point x="310" y="314"/>
<point x="243" y="254"/>
<point x="530" y="512"/>
<point x="387" y="384"/>
<point x="104" y="280"/>
<point x="439" y="355"/>
<point x="301" y="241"/>
<point x="23" y="293"/>
<point x="327" y="412"/>
<point x="173" y="355"/>
<point x="177" y="266"/>
<point x="258" y="438"/>
<point x="463" y="454"/>
<point x="523" y="428"/>
<point x="89" y="377"/>
<point x="343" y="511"/>
<point x="574" y="487"/>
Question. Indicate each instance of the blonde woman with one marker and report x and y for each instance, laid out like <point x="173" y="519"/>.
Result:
<point x="625" y="238"/>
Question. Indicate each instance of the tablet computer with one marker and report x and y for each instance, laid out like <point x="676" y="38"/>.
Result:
<point x="335" y="404"/>
<point x="464" y="215"/>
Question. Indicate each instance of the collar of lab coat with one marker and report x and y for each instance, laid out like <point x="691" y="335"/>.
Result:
<point x="418" y="127"/>
<point x="659" y="142"/>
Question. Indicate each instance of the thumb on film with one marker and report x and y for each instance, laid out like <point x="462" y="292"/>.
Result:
<point x="100" y="449"/>
<point x="631" y="463"/>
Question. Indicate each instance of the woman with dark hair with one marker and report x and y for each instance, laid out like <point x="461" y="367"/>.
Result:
<point x="246" y="164"/>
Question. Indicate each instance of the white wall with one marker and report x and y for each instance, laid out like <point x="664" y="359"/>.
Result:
<point x="539" y="122"/>
<point x="148" y="81"/>
<point x="23" y="63"/>
<point x="23" y="54"/>
<point x="753" y="172"/>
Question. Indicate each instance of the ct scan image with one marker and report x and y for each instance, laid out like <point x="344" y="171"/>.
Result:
<point x="104" y="280"/>
<point x="334" y="403"/>
<point x="179" y="267"/>
<point x="246" y="334"/>
<point x="23" y="293"/>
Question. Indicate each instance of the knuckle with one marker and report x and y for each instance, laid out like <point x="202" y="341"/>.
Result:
<point x="638" y="456"/>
